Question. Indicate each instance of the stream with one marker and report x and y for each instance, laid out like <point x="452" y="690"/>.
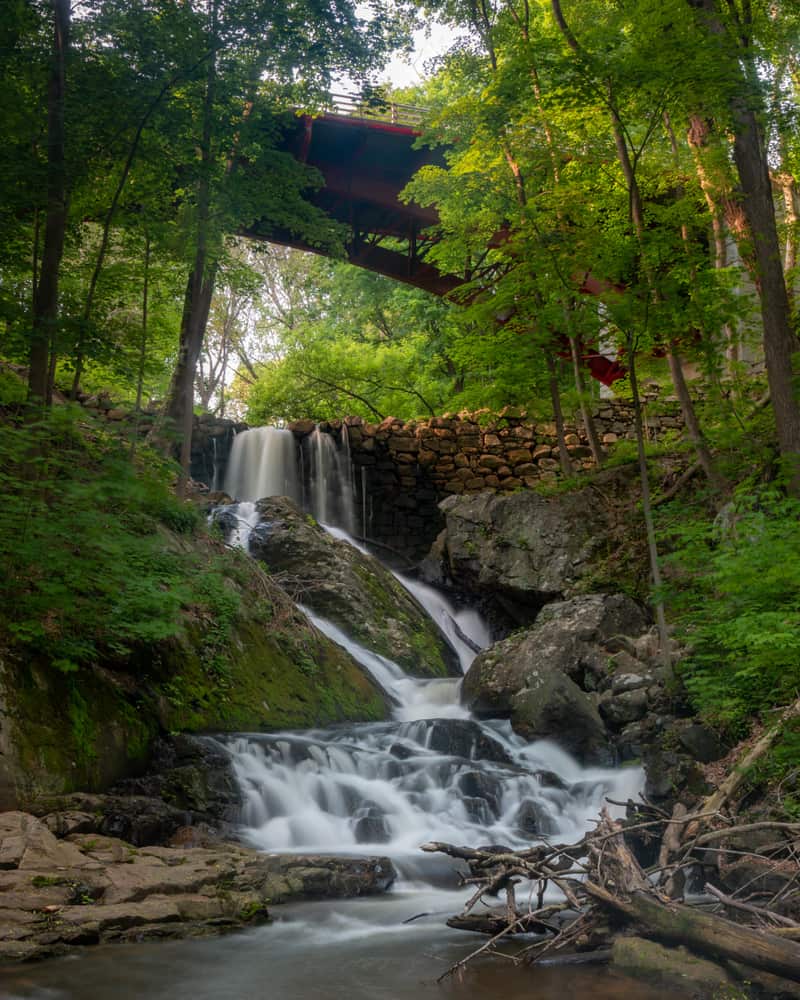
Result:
<point x="431" y="773"/>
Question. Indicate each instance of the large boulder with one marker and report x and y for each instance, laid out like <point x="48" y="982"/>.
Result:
<point x="349" y="588"/>
<point x="551" y="706"/>
<point x="555" y="678"/>
<point x="247" y="661"/>
<point x="518" y="551"/>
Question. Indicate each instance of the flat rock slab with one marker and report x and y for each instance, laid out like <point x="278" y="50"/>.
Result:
<point x="87" y="888"/>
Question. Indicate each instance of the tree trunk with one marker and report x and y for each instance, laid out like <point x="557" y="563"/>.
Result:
<point x="780" y="343"/>
<point x="558" y="417"/>
<point x="750" y="156"/>
<point x="178" y="410"/>
<point x="586" y="414"/>
<point x="706" y="933"/>
<point x="647" y="511"/>
<point x="691" y="422"/>
<point x="45" y="308"/>
<point x="791" y="206"/>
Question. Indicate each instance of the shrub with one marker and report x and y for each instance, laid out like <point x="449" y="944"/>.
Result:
<point x="736" y="592"/>
<point x="86" y="572"/>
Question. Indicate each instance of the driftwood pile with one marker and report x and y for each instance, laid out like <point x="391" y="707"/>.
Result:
<point x="603" y="890"/>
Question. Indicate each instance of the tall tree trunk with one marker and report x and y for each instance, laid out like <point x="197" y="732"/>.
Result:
<point x="133" y="149"/>
<point x="558" y="417"/>
<point x="780" y="343"/>
<point x="598" y="454"/>
<point x="750" y="157"/>
<point x="693" y="429"/>
<point x="791" y="207"/>
<point x="178" y="411"/>
<point x="142" y="343"/>
<point x="676" y="369"/>
<point x="45" y="307"/>
<point x="647" y="510"/>
<point x="729" y="211"/>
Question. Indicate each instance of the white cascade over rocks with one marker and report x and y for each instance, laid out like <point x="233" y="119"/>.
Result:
<point x="431" y="773"/>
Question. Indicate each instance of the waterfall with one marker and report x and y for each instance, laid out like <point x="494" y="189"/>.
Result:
<point x="331" y="498"/>
<point x="317" y="475"/>
<point x="263" y="463"/>
<point x="433" y="772"/>
<point x="390" y="787"/>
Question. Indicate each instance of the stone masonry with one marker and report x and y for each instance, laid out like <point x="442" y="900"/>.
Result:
<point x="405" y="468"/>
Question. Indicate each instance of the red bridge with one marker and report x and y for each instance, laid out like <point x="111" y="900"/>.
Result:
<point x="365" y="151"/>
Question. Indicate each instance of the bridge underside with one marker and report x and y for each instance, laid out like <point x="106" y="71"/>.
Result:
<point x="365" y="165"/>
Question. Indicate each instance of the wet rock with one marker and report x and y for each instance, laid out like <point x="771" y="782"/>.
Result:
<point x="95" y="888"/>
<point x="568" y="637"/>
<point x="630" y="706"/>
<point x="350" y="589"/>
<point x="138" y="819"/>
<point x="519" y="550"/>
<point x="549" y="779"/>
<point x="225" y="518"/>
<point x="701" y="743"/>
<point x="370" y="828"/>
<point x="193" y="774"/>
<point x="551" y="706"/>
<point x="465" y="738"/>
<point x="532" y="820"/>
<point x="540" y="676"/>
<point x="480" y="786"/>
<point x="672" y="777"/>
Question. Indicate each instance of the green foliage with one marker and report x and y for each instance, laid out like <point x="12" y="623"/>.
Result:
<point x="86" y="570"/>
<point x="735" y="585"/>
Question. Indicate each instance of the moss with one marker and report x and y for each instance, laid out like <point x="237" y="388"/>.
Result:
<point x="420" y="649"/>
<point x="71" y="732"/>
<point x="284" y="676"/>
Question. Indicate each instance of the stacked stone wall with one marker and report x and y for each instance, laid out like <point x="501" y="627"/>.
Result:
<point x="406" y="468"/>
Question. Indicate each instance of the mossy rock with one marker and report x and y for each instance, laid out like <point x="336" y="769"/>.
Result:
<point x="245" y="660"/>
<point x="350" y="589"/>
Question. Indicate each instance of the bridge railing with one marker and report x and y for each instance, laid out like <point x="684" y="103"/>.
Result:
<point x="374" y="107"/>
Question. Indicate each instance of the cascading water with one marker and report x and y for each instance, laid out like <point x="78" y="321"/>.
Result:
<point x="432" y="773"/>
<point x="263" y="463"/>
<point x="331" y="491"/>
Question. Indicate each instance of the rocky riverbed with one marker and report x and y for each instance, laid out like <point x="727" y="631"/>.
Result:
<point x="86" y="888"/>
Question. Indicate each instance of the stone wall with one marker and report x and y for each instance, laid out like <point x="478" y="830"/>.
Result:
<point x="405" y="468"/>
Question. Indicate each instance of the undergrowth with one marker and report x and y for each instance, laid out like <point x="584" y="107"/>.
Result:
<point x="87" y="571"/>
<point x="734" y="591"/>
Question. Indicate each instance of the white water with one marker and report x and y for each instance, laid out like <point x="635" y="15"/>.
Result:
<point x="413" y="698"/>
<point x="390" y="787"/>
<point x="432" y="773"/>
<point x="263" y="463"/>
<point x="332" y="497"/>
<point x="465" y="629"/>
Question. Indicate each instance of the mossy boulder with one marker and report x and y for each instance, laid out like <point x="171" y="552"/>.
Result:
<point x="244" y="660"/>
<point x="350" y="589"/>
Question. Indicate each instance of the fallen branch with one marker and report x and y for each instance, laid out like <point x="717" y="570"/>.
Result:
<point x="756" y="911"/>
<point x="705" y="934"/>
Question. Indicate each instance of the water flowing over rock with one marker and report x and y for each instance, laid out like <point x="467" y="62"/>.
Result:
<point x="401" y="784"/>
<point x="349" y="588"/>
<point x="518" y="551"/>
<point x="569" y="675"/>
